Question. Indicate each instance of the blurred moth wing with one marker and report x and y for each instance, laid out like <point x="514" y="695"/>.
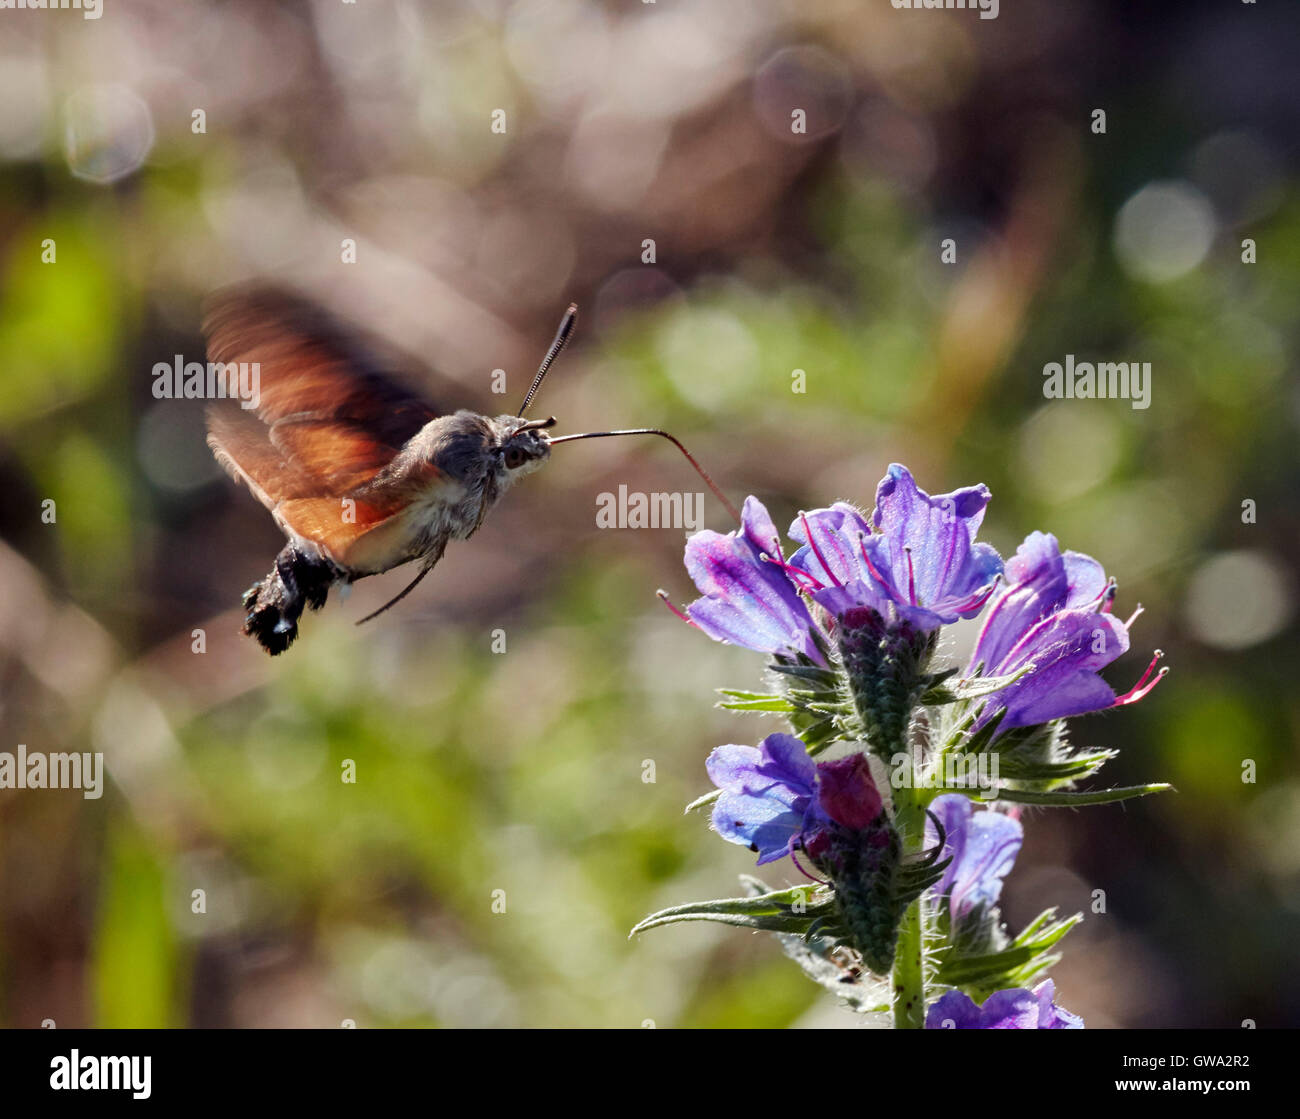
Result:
<point x="328" y="422"/>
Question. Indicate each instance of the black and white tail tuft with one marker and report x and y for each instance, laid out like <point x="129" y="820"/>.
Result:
<point x="275" y="604"/>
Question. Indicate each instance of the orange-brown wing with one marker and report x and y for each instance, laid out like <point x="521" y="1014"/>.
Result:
<point x="356" y="535"/>
<point x="327" y="418"/>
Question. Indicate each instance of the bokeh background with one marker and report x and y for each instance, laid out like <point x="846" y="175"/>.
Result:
<point x="773" y="251"/>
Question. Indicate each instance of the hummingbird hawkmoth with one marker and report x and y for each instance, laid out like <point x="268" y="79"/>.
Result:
<point x="361" y="473"/>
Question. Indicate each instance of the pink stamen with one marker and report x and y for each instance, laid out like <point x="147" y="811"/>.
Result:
<point x="1155" y="659"/>
<point x="911" y="578"/>
<point x="663" y="597"/>
<point x="1146" y="684"/>
<point x="1134" y="616"/>
<point x="812" y="543"/>
<point x="979" y="598"/>
<point x="862" y="547"/>
<point x="795" y="573"/>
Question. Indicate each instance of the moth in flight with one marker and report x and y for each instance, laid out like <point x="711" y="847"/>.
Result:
<point x="361" y="473"/>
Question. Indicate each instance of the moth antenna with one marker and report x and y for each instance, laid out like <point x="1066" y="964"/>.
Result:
<point x="735" y="516"/>
<point x="561" y="337"/>
<point x="394" y="601"/>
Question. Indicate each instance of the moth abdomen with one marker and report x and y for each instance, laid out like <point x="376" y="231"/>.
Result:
<point x="300" y="580"/>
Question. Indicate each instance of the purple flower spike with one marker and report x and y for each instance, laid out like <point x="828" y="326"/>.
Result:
<point x="1053" y="613"/>
<point x="982" y="846"/>
<point x="768" y="795"/>
<point x="924" y="555"/>
<point x="748" y="600"/>
<point x="1014" y="1009"/>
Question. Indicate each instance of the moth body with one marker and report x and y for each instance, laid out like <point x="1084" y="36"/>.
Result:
<point x="361" y="474"/>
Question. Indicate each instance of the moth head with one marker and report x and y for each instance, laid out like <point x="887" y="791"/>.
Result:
<point x="520" y="447"/>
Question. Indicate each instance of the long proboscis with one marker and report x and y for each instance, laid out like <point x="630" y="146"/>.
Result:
<point x="722" y="497"/>
<point x="672" y="439"/>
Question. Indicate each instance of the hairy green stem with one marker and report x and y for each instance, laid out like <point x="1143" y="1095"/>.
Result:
<point x="908" y="979"/>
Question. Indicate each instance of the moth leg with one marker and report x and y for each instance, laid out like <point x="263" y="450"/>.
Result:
<point x="430" y="558"/>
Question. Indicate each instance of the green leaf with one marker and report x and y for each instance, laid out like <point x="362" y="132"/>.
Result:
<point x="800" y="697"/>
<point x="975" y="687"/>
<point x="862" y="991"/>
<point x="702" y="802"/>
<point x="830" y="710"/>
<point x="786" y="911"/>
<point x="982" y="739"/>
<point x="780" y="706"/>
<point x="982" y="975"/>
<point x="1016" y="965"/>
<point x="1071" y="767"/>
<point x="1073" y="798"/>
<point x="824" y="676"/>
<point x="755" y="701"/>
<point x="819" y="735"/>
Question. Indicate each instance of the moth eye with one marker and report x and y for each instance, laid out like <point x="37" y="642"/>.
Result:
<point x="514" y="458"/>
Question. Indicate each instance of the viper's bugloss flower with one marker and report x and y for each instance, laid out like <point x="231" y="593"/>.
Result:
<point x="769" y="795"/>
<point x="921" y="563"/>
<point x="748" y="600"/>
<point x="983" y="847"/>
<point x="1014" y="1009"/>
<point x="776" y="799"/>
<point x="1053" y="612"/>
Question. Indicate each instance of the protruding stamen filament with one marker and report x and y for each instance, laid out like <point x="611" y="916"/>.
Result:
<point x="980" y="597"/>
<point x="1134" y="616"/>
<point x="1146" y="684"/>
<point x="663" y="597"/>
<point x="1155" y="660"/>
<point x="795" y="859"/>
<point x="812" y="543"/>
<point x="911" y="578"/>
<point x="1106" y="599"/>
<point x="862" y="547"/>
<point x="795" y="573"/>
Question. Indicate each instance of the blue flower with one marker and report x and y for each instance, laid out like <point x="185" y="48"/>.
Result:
<point x="920" y="564"/>
<point x="776" y="800"/>
<point x="769" y="795"/>
<point x="982" y="847"/>
<point x="1014" y="1009"/>
<point x="748" y="600"/>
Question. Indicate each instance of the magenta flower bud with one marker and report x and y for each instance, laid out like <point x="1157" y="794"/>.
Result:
<point x="847" y="793"/>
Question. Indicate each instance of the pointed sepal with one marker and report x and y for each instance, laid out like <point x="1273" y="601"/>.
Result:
<point x="795" y="911"/>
